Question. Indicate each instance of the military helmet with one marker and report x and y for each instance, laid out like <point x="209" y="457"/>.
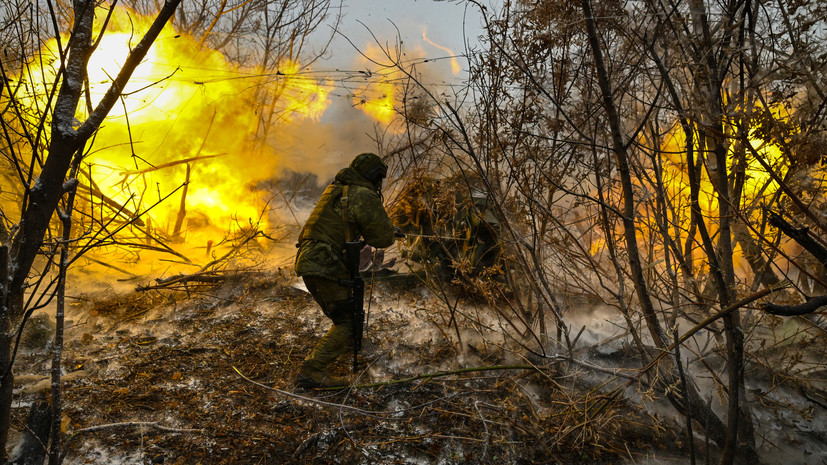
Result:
<point x="370" y="166"/>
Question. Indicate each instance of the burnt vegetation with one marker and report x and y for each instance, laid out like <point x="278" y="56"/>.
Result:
<point x="615" y="246"/>
<point x="166" y="383"/>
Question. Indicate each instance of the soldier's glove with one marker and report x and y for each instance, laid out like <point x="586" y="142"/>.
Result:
<point x="398" y="232"/>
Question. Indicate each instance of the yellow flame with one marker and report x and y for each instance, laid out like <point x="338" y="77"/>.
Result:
<point x="377" y="97"/>
<point x="597" y="246"/>
<point x="455" y="68"/>
<point x="188" y="116"/>
<point x="307" y="98"/>
<point x="757" y="182"/>
<point x="381" y="108"/>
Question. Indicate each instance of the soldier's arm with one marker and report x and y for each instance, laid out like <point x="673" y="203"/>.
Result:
<point x="369" y="214"/>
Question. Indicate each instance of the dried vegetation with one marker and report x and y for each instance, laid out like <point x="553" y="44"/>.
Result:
<point x="156" y="382"/>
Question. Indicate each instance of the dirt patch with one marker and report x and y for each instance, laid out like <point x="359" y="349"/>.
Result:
<point x="160" y="385"/>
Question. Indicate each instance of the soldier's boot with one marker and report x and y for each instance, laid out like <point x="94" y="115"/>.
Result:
<point x="313" y="372"/>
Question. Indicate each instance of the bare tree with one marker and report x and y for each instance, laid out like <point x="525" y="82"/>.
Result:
<point x="263" y="35"/>
<point x="632" y="138"/>
<point x="44" y="143"/>
<point x="42" y="153"/>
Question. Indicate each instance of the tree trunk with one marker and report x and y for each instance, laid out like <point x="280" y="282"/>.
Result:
<point x="754" y="255"/>
<point x="47" y="190"/>
<point x="723" y="274"/>
<point x="619" y="148"/>
<point x="36" y="436"/>
<point x="6" y="375"/>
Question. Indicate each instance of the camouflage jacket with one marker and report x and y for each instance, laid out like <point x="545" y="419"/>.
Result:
<point x="322" y="239"/>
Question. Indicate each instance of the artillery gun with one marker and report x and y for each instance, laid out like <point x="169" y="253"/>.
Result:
<point x="451" y="228"/>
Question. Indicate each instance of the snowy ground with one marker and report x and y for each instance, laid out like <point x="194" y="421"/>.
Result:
<point x="155" y="373"/>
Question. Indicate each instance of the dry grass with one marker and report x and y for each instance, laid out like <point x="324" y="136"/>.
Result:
<point x="165" y="365"/>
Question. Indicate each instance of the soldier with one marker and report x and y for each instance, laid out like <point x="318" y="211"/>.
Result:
<point x="348" y="208"/>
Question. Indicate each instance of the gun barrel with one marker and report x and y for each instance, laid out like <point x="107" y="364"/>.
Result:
<point x="430" y="236"/>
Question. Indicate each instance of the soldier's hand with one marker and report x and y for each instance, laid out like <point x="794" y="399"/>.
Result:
<point x="398" y="232"/>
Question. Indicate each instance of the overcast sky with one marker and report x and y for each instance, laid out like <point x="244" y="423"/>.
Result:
<point x="446" y="24"/>
<point x="344" y="129"/>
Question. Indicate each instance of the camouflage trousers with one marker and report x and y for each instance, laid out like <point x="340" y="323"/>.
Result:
<point x="336" y="304"/>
